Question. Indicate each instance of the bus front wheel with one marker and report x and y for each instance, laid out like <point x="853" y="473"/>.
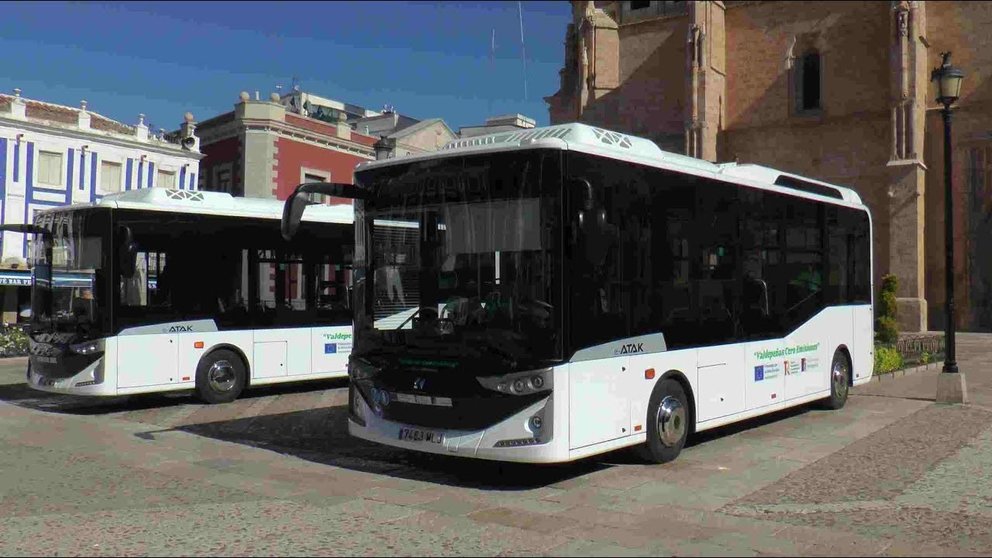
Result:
<point x="220" y="377"/>
<point x="667" y="423"/>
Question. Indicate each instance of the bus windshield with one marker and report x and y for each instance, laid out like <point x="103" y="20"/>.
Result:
<point x="462" y="257"/>
<point x="68" y="280"/>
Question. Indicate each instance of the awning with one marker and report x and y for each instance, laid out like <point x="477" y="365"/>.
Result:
<point x="15" y="277"/>
<point x="19" y="278"/>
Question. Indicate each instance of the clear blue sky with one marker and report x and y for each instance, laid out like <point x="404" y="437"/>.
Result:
<point x="428" y="59"/>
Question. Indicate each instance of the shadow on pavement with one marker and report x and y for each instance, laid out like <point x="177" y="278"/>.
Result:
<point x="23" y="396"/>
<point x="321" y="436"/>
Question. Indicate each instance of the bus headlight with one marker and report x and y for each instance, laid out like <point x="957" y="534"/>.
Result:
<point x="520" y="383"/>
<point x="87" y="348"/>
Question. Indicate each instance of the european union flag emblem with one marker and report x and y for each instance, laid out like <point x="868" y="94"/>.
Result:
<point x="330" y="348"/>
<point x="759" y="373"/>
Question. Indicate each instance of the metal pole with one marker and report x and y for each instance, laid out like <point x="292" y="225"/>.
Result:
<point x="950" y="364"/>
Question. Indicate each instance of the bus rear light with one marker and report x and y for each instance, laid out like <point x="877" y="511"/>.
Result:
<point x="198" y="345"/>
<point x="637" y="428"/>
<point x="185" y="378"/>
<point x="649" y="374"/>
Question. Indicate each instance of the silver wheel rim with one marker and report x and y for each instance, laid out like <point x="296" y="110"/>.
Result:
<point x="221" y="376"/>
<point x="671" y="421"/>
<point x="839" y="376"/>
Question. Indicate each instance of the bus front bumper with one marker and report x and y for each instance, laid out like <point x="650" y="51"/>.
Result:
<point x="88" y="381"/>
<point x="513" y="439"/>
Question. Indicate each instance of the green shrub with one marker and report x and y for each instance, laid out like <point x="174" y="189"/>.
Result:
<point x="925" y="358"/>
<point x="13" y="342"/>
<point x="886" y="330"/>
<point x="887" y="359"/>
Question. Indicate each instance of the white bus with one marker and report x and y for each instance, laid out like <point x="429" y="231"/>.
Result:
<point x="547" y="295"/>
<point x="158" y="290"/>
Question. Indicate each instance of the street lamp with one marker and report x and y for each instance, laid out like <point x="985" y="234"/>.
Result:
<point x="948" y="80"/>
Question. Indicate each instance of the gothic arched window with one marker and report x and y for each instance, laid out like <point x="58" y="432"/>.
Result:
<point x="808" y="83"/>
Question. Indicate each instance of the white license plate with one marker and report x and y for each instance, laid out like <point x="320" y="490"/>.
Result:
<point x="417" y="435"/>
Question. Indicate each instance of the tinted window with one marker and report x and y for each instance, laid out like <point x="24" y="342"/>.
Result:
<point x="245" y="276"/>
<point x="702" y="261"/>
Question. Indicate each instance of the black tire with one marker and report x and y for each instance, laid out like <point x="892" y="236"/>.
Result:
<point x="664" y="443"/>
<point x="220" y="377"/>
<point x="840" y="380"/>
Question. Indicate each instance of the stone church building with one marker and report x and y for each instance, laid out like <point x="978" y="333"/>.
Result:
<point x="838" y="91"/>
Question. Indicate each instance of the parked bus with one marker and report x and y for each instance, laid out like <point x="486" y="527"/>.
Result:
<point x="158" y="290"/>
<point x="551" y="294"/>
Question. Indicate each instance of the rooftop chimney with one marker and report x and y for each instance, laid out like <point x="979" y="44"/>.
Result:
<point x="84" y="117"/>
<point x="141" y="130"/>
<point x="18" y="108"/>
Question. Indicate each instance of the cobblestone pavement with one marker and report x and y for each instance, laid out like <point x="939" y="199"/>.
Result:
<point x="276" y="473"/>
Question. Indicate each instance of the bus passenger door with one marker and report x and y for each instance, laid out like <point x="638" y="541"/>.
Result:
<point x="147" y="360"/>
<point x="599" y="403"/>
<point x="721" y="375"/>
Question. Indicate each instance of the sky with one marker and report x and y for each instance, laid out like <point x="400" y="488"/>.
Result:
<point x="426" y="59"/>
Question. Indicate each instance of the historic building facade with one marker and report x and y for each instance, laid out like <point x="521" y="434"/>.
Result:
<point x="838" y="91"/>
<point x="53" y="155"/>
<point x="262" y="150"/>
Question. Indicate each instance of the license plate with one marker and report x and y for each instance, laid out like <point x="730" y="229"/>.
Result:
<point x="416" y="435"/>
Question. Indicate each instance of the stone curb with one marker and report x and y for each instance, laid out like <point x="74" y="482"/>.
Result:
<point x="907" y="371"/>
<point x="13" y="360"/>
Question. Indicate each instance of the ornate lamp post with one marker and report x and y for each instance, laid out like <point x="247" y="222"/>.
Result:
<point x="950" y="388"/>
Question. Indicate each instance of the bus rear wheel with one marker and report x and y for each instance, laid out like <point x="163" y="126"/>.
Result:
<point x="840" y="378"/>
<point x="667" y="423"/>
<point x="220" y="377"/>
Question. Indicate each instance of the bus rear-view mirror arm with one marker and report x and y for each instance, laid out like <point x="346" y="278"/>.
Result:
<point x="297" y="202"/>
<point x="26" y="229"/>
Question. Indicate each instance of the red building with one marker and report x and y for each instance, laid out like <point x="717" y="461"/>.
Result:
<point x="262" y="150"/>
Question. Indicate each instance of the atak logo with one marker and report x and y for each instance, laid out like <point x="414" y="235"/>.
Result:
<point x="180" y="328"/>
<point x="419" y="383"/>
<point x="631" y="348"/>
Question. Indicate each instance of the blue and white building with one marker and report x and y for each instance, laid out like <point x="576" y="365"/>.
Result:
<point x="54" y="155"/>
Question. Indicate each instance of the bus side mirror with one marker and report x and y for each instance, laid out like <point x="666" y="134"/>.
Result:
<point x="128" y="252"/>
<point x="297" y="202"/>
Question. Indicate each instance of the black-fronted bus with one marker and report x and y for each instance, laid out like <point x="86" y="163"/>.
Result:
<point x="547" y="295"/>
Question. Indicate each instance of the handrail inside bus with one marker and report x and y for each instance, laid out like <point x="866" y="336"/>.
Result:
<point x="296" y="203"/>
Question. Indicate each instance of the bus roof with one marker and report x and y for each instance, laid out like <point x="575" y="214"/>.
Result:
<point x="598" y="141"/>
<point x="214" y="203"/>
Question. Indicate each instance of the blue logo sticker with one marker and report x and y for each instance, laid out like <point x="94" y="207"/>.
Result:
<point x="759" y="373"/>
<point x="330" y="348"/>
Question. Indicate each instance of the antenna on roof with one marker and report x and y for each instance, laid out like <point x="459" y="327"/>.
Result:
<point x="523" y="48"/>
<point x="492" y="56"/>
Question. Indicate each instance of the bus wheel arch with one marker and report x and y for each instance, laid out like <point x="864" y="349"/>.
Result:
<point x="221" y="374"/>
<point x="237" y="351"/>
